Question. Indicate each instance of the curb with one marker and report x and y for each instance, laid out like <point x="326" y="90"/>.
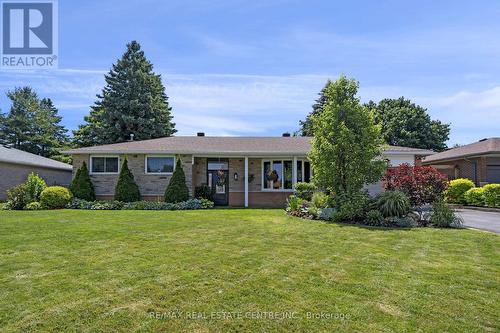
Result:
<point x="482" y="209"/>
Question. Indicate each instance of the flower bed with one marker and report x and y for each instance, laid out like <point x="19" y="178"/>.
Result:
<point x="190" y="204"/>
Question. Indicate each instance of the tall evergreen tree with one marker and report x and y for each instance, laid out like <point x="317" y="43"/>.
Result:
<point x="17" y="127"/>
<point x="48" y="133"/>
<point x="132" y="102"/>
<point x="32" y="125"/>
<point x="306" y="126"/>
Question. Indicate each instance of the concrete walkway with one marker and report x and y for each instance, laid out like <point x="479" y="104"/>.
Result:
<point x="489" y="221"/>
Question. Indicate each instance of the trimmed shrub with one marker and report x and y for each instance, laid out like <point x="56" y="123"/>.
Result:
<point x="422" y="184"/>
<point x="350" y="207"/>
<point x="54" y="197"/>
<point x="393" y="204"/>
<point x="304" y="190"/>
<point x="442" y="216"/>
<point x="177" y="190"/>
<point x="319" y="200"/>
<point x="491" y="195"/>
<point x="82" y="186"/>
<point x="34" y="187"/>
<point x="126" y="189"/>
<point x="203" y="192"/>
<point x="35" y="205"/>
<point x="456" y="190"/>
<point x="374" y="218"/>
<point x="474" y="196"/>
<point x="17" y="197"/>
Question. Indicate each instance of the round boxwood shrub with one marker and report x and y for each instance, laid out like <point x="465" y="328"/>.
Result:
<point x="474" y="196"/>
<point x="456" y="190"/>
<point x="177" y="190"/>
<point x="54" y="197"/>
<point x="491" y="193"/>
<point x="393" y="204"/>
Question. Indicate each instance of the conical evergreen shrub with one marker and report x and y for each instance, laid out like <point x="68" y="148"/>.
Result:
<point x="126" y="189"/>
<point x="82" y="186"/>
<point x="177" y="190"/>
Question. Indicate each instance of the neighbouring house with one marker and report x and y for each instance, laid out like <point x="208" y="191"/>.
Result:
<point x="16" y="165"/>
<point x="241" y="171"/>
<point x="478" y="161"/>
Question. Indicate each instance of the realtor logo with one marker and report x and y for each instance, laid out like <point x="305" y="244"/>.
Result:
<point x="29" y="34"/>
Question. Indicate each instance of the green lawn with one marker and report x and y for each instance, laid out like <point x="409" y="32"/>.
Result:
<point x="92" y="271"/>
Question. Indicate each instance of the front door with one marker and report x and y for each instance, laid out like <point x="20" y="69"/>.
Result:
<point x="218" y="180"/>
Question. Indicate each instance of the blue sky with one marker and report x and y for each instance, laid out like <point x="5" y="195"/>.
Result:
<point x="255" y="67"/>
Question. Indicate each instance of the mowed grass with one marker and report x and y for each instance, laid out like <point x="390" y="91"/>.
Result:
<point x="240" y="270"/>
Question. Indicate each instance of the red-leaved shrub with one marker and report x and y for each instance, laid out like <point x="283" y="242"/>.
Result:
<point x="422" y="184"/>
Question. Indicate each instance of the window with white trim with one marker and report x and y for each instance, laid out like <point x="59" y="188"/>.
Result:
<point x="104" y="164"/>
<point x="303" y="171"/>
<point x="277" y="174"/>
<point x="160" y="164"/>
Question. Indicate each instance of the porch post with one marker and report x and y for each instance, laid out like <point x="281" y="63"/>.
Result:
<point x="294" y="171"/>
<point x="246" y="181"/>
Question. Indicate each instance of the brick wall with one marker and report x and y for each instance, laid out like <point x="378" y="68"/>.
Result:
<point x="152" y="186"/>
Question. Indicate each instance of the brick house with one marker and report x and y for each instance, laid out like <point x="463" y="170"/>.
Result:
<point x="241" y="171"/>
<point x="16" y="165"/>
<point x="478" y="161"/>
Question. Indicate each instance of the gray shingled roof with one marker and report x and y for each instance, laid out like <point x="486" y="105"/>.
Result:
<point x="15" y="156"/>
<point x="220" y="145"/>
<point x="483" y="147"/>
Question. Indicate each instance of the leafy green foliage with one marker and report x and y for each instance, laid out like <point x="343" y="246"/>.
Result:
<point x="32" y="125"/>
<point x="132" y="102"/>
<point x="474" y="196"/>
<point x="346" y="143"/>
<point x="409" y="125"/>
<point x="304" y="190"/>
<point x="456" y="190"/>
<point x="35" y="205"/>
<point x="54" y="197"/>
<point x="350" y="207"/>
<point x="306" y="126"/>
<point x="491" y="193"/>
<point x="177" y="190"/>
<point x="126" y="189"/>
<point x="374" y="218"/>
<point x="393" y="204"/>
<point x="293" y="203"/>
<point x="443" y="216"/>
<point x="319" y="200"/>
<point x="18" y="197"/>
<point x="34" y="187"/>
<point x="82" y="186"/>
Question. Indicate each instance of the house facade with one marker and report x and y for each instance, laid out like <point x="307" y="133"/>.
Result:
<point x="478" y="161"/>
<point x="241" y="171"/>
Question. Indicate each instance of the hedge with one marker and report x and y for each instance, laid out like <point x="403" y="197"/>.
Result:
<point x="456" y="190"/>
<point x="475" y="196"/>
<point x="491" y="194"/>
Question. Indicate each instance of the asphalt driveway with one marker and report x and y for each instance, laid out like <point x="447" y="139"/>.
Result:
<point x="489" y="221"/>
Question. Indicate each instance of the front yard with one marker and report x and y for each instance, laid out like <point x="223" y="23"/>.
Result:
<point x="240" y="270"/>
